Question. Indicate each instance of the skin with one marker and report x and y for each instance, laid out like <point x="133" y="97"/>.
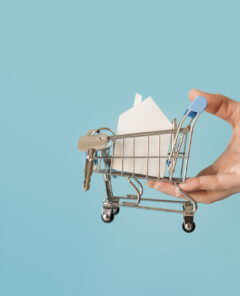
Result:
<point x="222" y="178"/>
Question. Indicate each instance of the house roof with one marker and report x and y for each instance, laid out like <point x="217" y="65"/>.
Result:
<point x="143" y="116"/>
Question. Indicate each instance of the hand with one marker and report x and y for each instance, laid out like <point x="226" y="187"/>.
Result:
<point x="222" y="178"/>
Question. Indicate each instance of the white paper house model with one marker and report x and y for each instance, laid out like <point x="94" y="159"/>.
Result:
<point x="144" y="116"/>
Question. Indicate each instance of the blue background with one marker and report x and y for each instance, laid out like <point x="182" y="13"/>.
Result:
<point x="68" y="66"/>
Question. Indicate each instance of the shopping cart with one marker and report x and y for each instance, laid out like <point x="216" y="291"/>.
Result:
<point x="99" y="146"/>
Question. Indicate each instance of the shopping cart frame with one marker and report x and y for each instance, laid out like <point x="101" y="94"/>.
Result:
<point x="100" y="147"/>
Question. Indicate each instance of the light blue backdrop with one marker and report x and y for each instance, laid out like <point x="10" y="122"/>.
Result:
<point x="68" y="66"/>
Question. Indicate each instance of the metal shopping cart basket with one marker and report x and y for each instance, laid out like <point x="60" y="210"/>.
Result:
<point x="99" y="146"/>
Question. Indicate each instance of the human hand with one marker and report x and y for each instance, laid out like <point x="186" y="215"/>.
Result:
<point x="222" y="178"/>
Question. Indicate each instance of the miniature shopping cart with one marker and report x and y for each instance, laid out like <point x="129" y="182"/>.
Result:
<point x="99" y="146"/>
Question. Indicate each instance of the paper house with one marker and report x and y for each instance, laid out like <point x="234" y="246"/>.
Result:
<point x="144" y="116"/>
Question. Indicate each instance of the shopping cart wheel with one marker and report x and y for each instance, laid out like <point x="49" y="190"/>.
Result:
<point x="107" y="218"/>
<point x="188" y="227"/>
<point x="116" y="210"/>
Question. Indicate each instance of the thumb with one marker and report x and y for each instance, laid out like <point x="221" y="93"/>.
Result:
<point x="219" y="105"/>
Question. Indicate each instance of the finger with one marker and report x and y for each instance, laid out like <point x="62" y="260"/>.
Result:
<point x="200" y="196"/>
<point x="165" y="187"/>
<point x="216" y="182"/>
<point x="219" y="105"/>
<point x="208" y="197"/>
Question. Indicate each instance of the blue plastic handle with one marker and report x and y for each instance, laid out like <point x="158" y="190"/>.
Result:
<point x="197" y="106"/>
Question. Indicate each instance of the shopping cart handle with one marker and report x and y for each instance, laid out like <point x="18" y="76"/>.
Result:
<point x="197" y="106"/>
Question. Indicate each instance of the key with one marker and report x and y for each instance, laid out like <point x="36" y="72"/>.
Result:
<point x="97" y="142"/>
<point x="88" y="169"/>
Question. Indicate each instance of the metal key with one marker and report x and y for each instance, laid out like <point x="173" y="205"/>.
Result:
<point x="97" y="142"/>
<point x="88" y="169"/>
